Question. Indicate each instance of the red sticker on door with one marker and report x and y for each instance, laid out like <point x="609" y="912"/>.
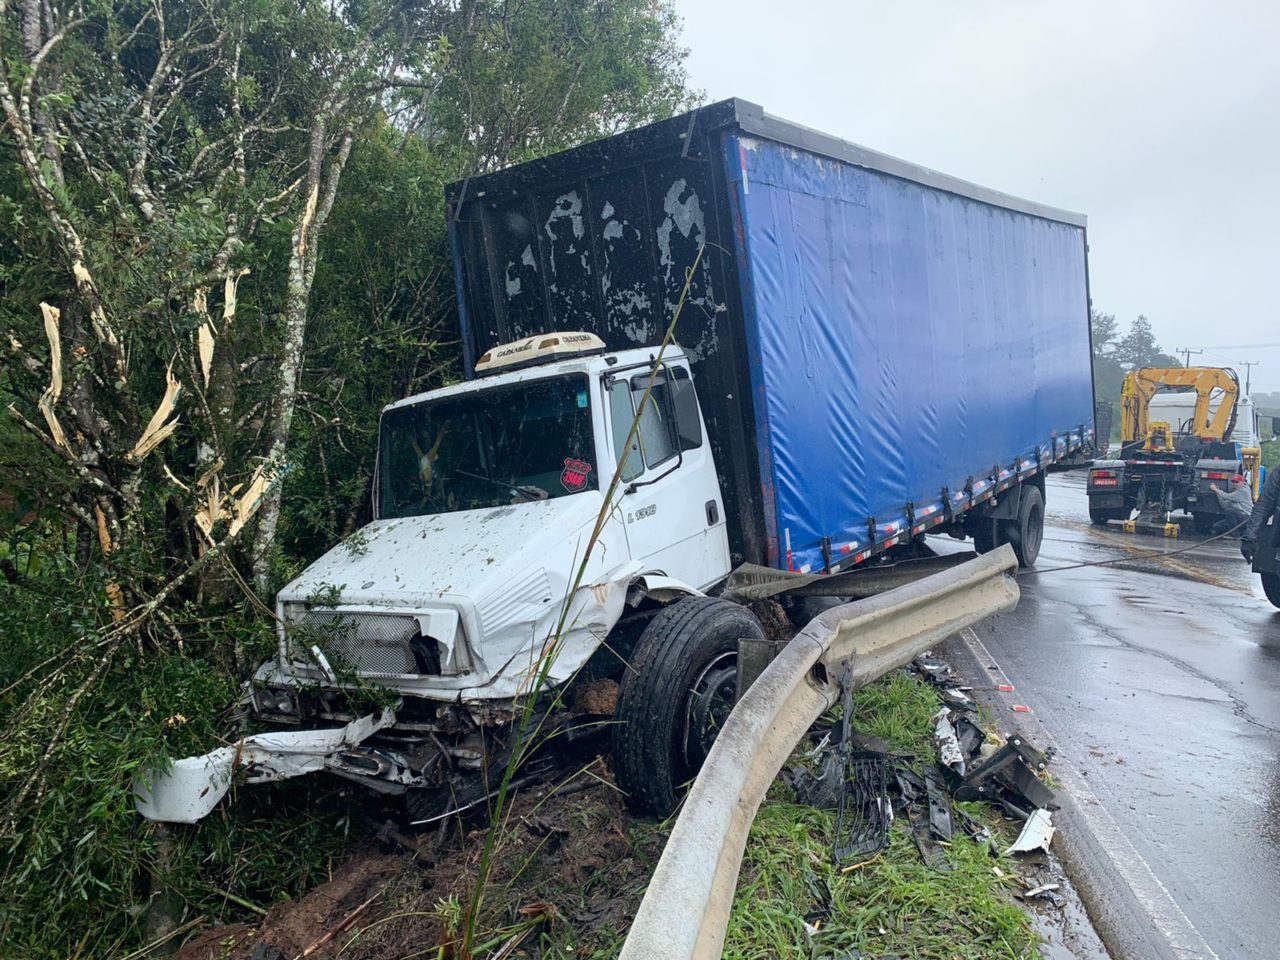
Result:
<point x="575" y="474"/>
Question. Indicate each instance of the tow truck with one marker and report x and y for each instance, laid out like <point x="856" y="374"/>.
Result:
<point x="1173" y="450"/>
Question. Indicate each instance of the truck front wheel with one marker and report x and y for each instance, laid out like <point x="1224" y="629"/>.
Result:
<point x="676" y="694"/>
<point x="1026" y="533"/>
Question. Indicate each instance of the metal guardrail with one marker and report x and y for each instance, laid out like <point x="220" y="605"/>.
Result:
<point x="686" y="908"/>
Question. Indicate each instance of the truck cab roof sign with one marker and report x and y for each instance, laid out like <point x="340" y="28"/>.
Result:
<point x="541" y="348"/>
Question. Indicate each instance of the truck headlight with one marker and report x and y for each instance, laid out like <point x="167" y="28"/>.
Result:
<point x="266" y="700"/>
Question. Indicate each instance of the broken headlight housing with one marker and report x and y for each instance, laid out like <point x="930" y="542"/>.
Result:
<point x="274" y="701"/>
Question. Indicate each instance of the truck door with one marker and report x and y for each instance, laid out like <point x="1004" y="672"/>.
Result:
<point x="670" y="499"/>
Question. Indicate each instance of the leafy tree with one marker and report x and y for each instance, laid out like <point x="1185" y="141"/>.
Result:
<point x="1138" y="348"/>
<point x="1108" y="375"/>
<point x="1115" y="355"/>
<point x="1104" y="328"/>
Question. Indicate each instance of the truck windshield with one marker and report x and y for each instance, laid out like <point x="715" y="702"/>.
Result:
<point x="530" y="441"/>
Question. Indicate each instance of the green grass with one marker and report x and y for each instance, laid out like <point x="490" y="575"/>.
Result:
<point x="894" y="905"/>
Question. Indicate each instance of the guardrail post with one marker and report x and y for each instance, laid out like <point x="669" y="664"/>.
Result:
<point x="754" y="656"/>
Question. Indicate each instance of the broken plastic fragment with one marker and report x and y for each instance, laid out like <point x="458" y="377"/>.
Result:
<point x="192" y="787"/>
<point x="1036" y="834"/>
<point x="944" y="735"/>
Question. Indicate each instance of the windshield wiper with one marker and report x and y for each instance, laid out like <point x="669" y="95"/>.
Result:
<point x="530" y="493"/>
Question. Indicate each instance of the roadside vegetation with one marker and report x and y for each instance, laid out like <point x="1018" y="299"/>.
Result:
<point x="223" y="251"/>
<point x="892" y="905"/>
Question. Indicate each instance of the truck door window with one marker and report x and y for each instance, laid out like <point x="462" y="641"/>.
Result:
<point x="685" y="402"/>
<point x="621" y="413"/>
<point x="657" y="422"/>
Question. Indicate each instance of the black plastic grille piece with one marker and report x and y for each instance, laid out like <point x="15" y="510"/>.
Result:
<point x="863" y="812"/>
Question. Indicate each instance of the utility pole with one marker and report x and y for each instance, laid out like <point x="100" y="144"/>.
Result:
<point x="1186" y="354"/>
<point x="1247" y="364"/>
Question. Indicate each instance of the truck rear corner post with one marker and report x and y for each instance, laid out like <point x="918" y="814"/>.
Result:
<point x="846" y="381"/>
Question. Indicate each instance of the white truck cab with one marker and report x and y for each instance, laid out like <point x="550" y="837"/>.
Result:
<point x="486" y="496"/>
<point x="452" y="602"/>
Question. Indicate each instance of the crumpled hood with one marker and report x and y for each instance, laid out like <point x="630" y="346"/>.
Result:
<point x="415" y="561"/>
<point x="509" y="572"/>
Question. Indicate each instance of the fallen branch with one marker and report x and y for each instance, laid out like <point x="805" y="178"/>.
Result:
<point x="156" y="944"/>
<point x="334" y="931"/>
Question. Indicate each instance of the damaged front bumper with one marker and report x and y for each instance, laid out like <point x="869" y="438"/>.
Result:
<point x="190" y="788"/>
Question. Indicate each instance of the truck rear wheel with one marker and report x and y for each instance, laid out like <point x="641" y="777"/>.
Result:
<point x="1271" y="587"/>
<point x="676" y="694"/>
<point x="1026" y="533"/>
<point x="1099" y="516"/>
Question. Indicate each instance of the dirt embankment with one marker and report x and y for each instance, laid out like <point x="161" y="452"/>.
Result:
<point x="568" y="870"/>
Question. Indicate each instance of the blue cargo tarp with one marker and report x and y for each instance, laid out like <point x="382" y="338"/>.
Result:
<point x="919" y="339"/>
<point x="863" y="331"/>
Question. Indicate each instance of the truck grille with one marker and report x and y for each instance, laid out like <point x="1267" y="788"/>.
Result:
<point x="371" y="644"/>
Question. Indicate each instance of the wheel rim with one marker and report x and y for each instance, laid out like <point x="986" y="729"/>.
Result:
<point x="711" y="698"/>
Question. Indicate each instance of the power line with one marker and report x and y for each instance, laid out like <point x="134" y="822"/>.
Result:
<point x="1186" y="354"/>
<point x="1243" y="346"/>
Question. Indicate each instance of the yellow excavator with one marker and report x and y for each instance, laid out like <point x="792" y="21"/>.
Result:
<point x="1168" y="461"/>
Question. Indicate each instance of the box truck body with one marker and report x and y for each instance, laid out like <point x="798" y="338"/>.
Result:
<point x="875" y="344"/>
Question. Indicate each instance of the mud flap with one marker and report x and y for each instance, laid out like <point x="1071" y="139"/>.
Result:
<point x="190" y="788"/>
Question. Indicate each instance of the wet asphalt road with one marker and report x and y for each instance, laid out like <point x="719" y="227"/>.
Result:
<point x="1160" y="681"/>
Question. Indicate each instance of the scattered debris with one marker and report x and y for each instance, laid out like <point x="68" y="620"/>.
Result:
<point x="1036" y="834"/>
<point x="940" y="824"/>
<point x="867" y="787"/>
<point x="970" y="735"/>
<point x="935" y="671"/>
<point x="1048" y="892"/>
<point x="1008" y="778"/>
<point x="957" y="699"/>
<point x="944" y="735"/>
<point x="930" y="850"/>
<point x="864" y="811"/>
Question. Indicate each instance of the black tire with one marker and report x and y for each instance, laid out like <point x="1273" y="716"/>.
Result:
<point x="1027" y="532"/>
<point x="1271" y="587"/>
<point x="1204" y="522"/>
<point x="677" y="690"/>
<point x="1099" y="516"/>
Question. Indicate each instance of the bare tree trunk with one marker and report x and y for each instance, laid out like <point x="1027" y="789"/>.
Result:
<point x="301" y="274"/>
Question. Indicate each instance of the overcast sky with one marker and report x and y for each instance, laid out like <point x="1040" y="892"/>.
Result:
<point x="1160" y="119"/>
